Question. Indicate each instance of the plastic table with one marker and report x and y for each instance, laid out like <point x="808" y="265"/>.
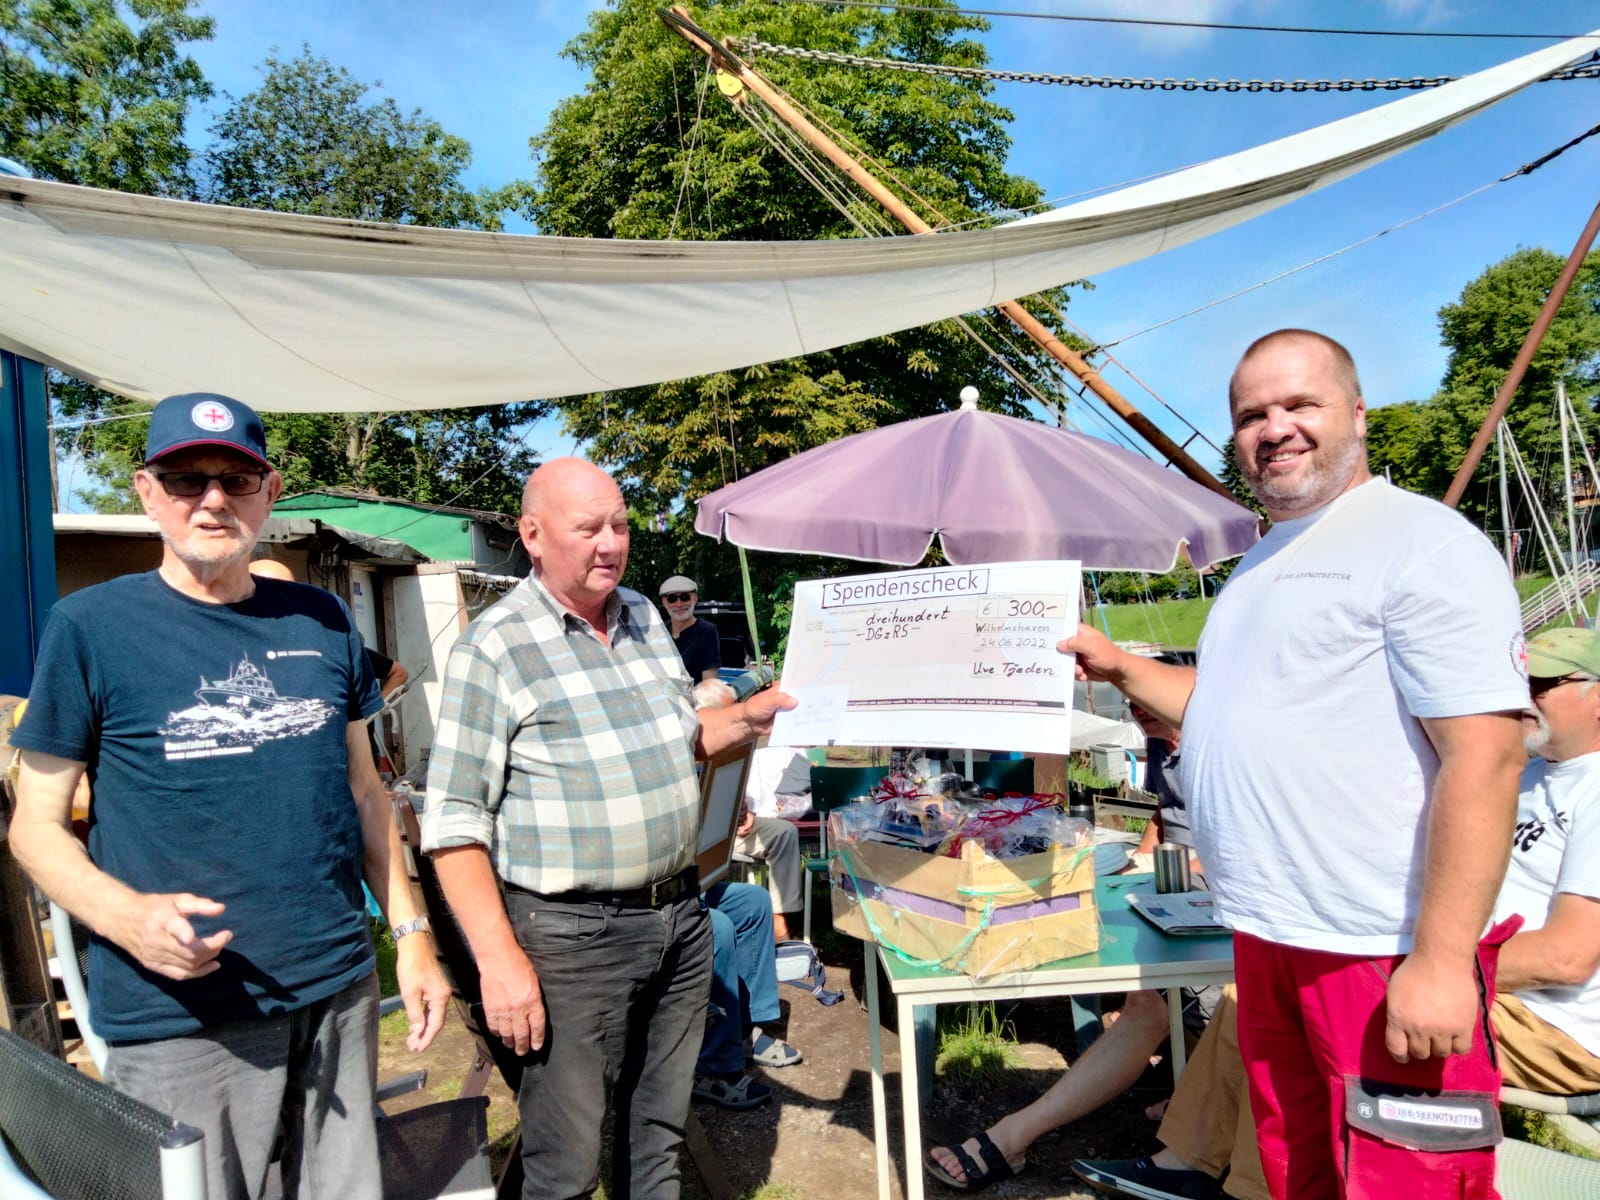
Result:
<point x="1133" y="955"/>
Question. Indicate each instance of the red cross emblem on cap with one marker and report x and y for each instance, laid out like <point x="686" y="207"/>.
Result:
<point x="208" y="414"/>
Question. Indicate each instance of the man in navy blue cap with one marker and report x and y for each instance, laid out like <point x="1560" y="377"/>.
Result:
<point x="220" y="720"/>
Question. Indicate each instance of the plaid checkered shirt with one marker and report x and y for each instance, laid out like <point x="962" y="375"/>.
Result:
<point x="571" y="760"/>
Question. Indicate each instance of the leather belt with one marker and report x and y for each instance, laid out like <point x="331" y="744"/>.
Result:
<point x="653" y="895"/>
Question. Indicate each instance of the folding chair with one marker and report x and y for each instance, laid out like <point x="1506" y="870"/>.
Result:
<point x="437" y="1151"/>
<point x="64" y="1136"/>
<point x="831" y="788"/>
<point x="1527" y="1172"/>
<point x="1577" y="1117"/>
<point x="1004" y="775"/>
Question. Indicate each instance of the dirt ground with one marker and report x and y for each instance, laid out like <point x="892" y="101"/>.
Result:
<point x="815" y="1138"/>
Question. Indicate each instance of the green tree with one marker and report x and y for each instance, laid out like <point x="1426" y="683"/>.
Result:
<point x="97" y="92"/>
<point x="312" y="139"/>
<point x="1402" y="442"/>
<point x="650" y="149"/>
<point x="1484" y="329"/>
<point x="1233" y="479"/>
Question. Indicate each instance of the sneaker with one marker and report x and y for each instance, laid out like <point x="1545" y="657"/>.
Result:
<point x="768" y="1051"/>
<point x="737" y="1092"/>
<point x="1141" y="1179"/>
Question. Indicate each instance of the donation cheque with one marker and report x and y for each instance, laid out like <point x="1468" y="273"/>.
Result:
<point x="949" y="656"/>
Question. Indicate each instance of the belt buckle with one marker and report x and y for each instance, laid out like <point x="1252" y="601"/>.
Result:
<point x="657" y="890"/>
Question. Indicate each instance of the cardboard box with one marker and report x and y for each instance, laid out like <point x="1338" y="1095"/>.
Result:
<point x="974" y="914"/>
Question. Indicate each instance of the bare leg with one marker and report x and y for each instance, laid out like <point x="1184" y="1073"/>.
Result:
<point x="780" y="927"/>
<point x="1107" y="1069"/>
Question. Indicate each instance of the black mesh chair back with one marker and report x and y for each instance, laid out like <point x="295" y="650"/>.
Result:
<point x="437" y="1152"/>
<point x="834" y="787"/>
<point x="1004" y="775"/>
<point x="78" y="1139"/>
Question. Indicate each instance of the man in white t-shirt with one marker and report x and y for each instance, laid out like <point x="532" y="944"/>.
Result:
<point x="1352" y="745"/>
<point x="1546" y="1012"/>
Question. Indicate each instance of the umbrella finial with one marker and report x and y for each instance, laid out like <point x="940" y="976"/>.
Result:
<point x="969" y="399"/>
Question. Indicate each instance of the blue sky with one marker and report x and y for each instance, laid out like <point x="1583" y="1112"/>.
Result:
<point x="491" y="71"/>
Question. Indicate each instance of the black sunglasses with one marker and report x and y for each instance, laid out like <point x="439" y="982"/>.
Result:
<point x="195" y="483"/>
<point x="1539" y="686"/>
<point x="676" y="597"/>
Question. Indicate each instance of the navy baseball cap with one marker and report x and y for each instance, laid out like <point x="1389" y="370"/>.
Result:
<point x="205" y="419"/>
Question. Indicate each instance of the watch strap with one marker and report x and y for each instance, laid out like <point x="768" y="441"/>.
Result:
<point x="418" y="925"/>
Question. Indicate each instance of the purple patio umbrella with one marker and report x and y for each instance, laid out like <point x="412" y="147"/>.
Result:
<point x="990" y="488"/>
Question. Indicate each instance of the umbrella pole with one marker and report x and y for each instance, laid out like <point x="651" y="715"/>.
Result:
<point x="750" y="604"/>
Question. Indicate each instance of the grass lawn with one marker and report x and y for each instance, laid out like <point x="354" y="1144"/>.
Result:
<point x="1177" y="623"/>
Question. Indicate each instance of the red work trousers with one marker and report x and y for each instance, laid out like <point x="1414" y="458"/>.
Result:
<point x="1335" y="1115"/>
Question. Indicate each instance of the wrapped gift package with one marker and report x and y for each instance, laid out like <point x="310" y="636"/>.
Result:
<point x="972" y="913"/>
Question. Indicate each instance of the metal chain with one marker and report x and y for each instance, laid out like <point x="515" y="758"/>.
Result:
<point x="1128" y="82"/>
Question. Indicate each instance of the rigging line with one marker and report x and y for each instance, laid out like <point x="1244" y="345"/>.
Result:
<point x="1118" y="434"/>
<point x="845" y="139"/>
<point x="1047" y="372"/>
<point x="1541" y="519"/>
<point x="1142" y="83"/>
<point x="1528" y="168"/>
<point x="761" y="123"/>
<point x="839" y="192"/>
<point x="825" y="180"/>
<point x="133" y="416"/>
<point x="694" y="138"/>
<point x="1128" y="371"/>
<point x="808" y="165"/>
<point x="1320" y="259"/>
<point x="1011" y="369"/>
<point x="1173" y="24"/>
<point x="802" y="158"/>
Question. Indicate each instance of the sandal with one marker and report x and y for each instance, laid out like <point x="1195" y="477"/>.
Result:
<point x="737" y="1093"/>
<point x="995" y="1165"/>
<point x="767" y="1050"/>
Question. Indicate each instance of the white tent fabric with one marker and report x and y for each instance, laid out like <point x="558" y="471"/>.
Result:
<point x="149" y="297"/>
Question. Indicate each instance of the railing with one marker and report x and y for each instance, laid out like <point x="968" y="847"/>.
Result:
<point x="1552" y="601"/>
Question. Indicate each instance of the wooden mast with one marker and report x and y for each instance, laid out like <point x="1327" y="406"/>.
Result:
<point x="734" y="72"/>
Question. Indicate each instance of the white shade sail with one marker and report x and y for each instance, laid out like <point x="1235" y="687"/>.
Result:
<point x="149" y="297"/>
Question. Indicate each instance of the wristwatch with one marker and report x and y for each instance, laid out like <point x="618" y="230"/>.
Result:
<point x="419" y="925"/>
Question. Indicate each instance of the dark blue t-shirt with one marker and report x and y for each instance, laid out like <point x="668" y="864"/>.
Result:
<point x="215" y="738"/>
<point x="700" y="648"/>
<point x="1161" y="763"/>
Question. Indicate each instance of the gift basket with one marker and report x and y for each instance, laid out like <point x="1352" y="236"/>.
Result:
<point x="945" y="875"/>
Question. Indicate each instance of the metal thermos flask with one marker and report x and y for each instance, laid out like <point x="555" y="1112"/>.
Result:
<point x="1172" y="867"/>
<point x="1084" y="812"/>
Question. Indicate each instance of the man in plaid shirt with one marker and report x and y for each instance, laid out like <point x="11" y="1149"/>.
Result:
<point x="563" y="780"/>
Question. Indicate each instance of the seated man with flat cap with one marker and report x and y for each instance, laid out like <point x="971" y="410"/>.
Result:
<point x="698" y="643"/>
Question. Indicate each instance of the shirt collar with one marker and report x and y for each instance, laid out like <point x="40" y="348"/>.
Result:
<point x="617" y="610"/>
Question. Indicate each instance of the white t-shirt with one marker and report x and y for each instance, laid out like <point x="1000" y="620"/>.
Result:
<point x="1305" y="764"/>
<point x="1557" y="849"/>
